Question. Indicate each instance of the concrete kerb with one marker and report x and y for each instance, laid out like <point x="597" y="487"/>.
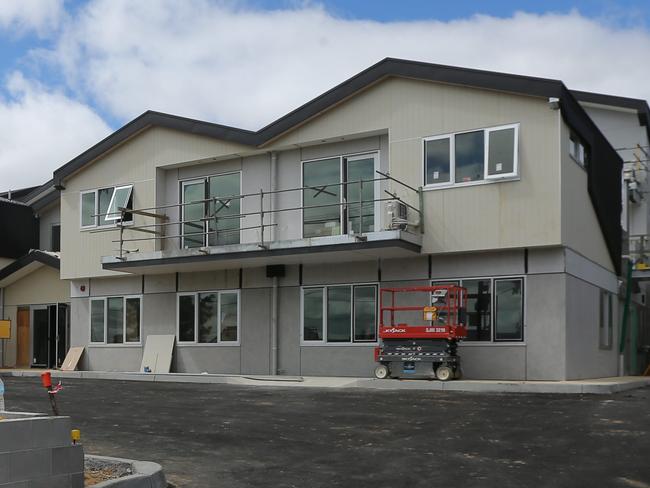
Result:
<point x="595" y="386"/>
<point x="145" y="474"/>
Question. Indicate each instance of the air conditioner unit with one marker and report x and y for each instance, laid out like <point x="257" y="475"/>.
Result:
<point x="397" y="216"/>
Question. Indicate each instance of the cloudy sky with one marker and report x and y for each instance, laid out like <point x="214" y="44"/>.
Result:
<point x="71" y="72"/>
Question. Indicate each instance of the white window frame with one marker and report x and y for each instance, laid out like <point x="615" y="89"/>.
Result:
<point x="513" y="175"/>
<point x="515" y="161"/>
<point x="124" y="342"/>
<point x="116" y="216"/>
<point x="205" y="180"/>
<point x="219" y="342"/>
<point x="185" y="183"/>
<point x="323" y="342"/>
<point x="353" y="156"/>
<point x="493" y="279"/>
<point x="81" y="216"/>
<point x="97" y="219"/>
<point x="577" y="149"/>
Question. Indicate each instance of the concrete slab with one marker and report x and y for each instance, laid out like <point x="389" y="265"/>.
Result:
<point x="602" y="386"/>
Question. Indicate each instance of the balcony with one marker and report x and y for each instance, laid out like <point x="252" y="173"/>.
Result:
<point x="365" y="219"/>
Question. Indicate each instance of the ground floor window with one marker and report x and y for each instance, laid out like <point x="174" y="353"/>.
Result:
<point x="606" y="321"/>
<point x="208" y="317"/>
<point x="116" y="320"/>
<point x="495" y="308"/>
<point x="339" y="313"/>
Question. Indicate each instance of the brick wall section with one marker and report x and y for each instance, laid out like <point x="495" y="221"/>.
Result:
<point x="37" y="453"/>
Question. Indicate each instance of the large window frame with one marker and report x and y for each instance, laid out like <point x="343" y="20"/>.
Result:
<point x="493" y="307"/>
<point x="487" y="177"/>
<point x="206" y="189"/>
<point x="324" y="318"/>
<point x="103" y="221"/>
<point x="104" y="301"/>
<point x="195" y="295"/>
<point x="343" y="212"/>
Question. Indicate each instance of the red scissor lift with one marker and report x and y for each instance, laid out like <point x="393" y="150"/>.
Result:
<point x="424" y="350"/>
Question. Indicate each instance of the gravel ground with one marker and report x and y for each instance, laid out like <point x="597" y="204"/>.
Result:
<point x="208" y="436"/>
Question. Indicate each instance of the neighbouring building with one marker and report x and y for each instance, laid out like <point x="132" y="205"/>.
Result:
<point x="32" y="295"/>
<point x="264" y="252"/>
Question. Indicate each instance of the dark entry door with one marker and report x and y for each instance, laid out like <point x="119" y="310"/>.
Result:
<point x="40" y="337"/>
<point x="62" y="335"/>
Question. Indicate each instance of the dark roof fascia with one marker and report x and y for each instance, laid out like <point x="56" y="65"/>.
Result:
<point x="491" y="80"/>
<point x="525" y="85"/>
<point x="641" y="106"/>
<point x="33" y="256"/>
<point x="148" y="119"/>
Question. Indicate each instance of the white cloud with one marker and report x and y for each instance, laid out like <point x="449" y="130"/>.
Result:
<point x="21" y="16"/>
<point x="229" y="63"/>
<point x="40" y="130"/>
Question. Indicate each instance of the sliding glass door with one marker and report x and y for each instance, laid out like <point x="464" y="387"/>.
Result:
<point x="339" y="195"/>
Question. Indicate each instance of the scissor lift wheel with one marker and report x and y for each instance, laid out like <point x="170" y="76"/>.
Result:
<point x="381" y="372"/>
<point x="444" y="373"/>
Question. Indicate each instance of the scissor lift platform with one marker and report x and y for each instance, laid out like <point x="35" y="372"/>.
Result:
<point x="426" y="350"/>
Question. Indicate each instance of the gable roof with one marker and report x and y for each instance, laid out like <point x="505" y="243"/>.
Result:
<point x="604" y="169"/>
<point x="26" y="264"/>
<point x="389" y="67"/>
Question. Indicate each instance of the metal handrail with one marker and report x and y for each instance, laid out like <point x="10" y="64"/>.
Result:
<point x="156" y="229"/>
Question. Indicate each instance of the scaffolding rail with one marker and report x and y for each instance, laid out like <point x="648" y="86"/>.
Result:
<point x="214" y="209"/>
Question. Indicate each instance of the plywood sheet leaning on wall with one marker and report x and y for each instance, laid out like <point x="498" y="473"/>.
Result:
<point x="72" y="358"/>
<point x="157" y="357"/>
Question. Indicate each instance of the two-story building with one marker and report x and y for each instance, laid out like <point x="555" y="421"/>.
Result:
<point x="264" y="251"/>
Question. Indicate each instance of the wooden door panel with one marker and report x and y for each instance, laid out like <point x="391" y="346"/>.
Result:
<point x="22" y="338"/>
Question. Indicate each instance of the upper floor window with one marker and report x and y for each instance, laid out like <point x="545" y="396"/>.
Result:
<point x="328" y="183"/>
<point x="471" y="156"/>
<point x="210" y="210"/>
<point x="578" y="150"/>
<point x="101" y="207"/>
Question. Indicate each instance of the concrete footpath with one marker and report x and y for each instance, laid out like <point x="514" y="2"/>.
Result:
<point x="594" y="386"/>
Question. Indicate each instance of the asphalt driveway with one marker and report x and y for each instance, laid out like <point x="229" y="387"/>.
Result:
<point x="233" y="436"/>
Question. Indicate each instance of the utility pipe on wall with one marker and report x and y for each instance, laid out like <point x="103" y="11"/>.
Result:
<point x="274" y="327"/>
<point x="274" y="290"/>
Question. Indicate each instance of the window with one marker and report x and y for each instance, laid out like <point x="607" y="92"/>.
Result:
<point x="115" y="320"/>
<point x="330" y="182"/>
<point x="208" y="317"/>
<point x="472" y="156"/>
<point x="495" y="308"/>
<point x="577" y="149"/>
<point x="606" y="322"/>
<point x="102" y="207"/>
<point x="508" y="309"/>
<point x="55" y="244"/>
<point x="210" y="216"/>
<point x="339" y="314"/>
